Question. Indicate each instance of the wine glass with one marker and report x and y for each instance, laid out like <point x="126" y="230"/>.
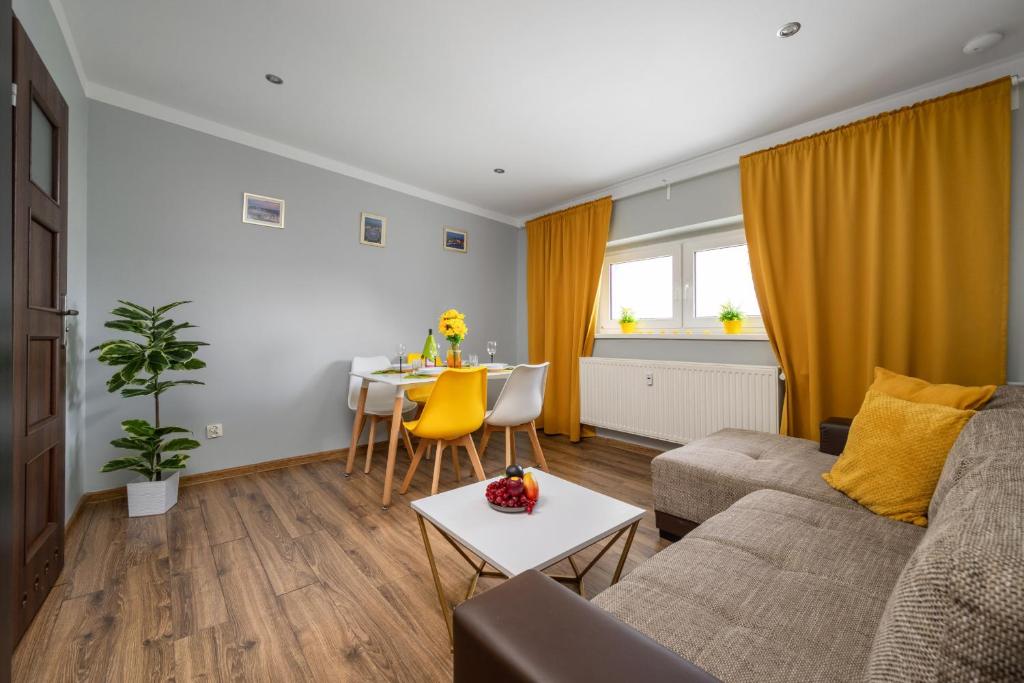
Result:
<point x="492" y="348"/>
<point x="401" y="356"/>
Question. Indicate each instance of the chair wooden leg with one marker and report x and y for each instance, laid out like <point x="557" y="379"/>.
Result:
<point x="508" y="446"/>
<point x="515" y="453"/>
<point x="438" y="458"/>
<point x="455" y="462"/>
<point x="478" y="469"/>
<point x="538" y="452"/>
<point x="417" y="456"/>
<point x="407" y="441"/>
<point x="369" y="444"/>
<point x="484" y="439"/>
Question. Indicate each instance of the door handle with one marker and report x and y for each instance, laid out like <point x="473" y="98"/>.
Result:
<point x="64" y="312"/>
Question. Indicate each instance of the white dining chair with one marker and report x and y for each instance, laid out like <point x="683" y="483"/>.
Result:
<point x="518" y="406"/>
<point x="380" y="400"/>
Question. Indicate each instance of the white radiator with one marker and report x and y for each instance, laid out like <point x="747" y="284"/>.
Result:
<point x="676" y="401"/>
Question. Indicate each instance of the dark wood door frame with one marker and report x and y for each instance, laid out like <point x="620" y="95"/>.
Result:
<point x="6" y="346"/>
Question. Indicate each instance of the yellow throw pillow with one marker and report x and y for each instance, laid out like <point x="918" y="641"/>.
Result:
<point x="894" y="455"/>
<point x="920" y="391"/>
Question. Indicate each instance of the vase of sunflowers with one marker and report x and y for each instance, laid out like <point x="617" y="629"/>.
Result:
<point x="453" y="326"/>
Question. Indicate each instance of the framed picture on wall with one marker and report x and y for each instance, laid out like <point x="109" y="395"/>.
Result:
<point x="454" y="239"/>
<point x="260" y="210"/>
<point x="373" y="229"/>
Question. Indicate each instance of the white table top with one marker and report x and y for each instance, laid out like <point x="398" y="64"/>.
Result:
<point x="566" y="519"/>
<point x="397" y="379"/>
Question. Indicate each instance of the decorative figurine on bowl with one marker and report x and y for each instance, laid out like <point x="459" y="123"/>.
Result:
<point x="515" y="492"/>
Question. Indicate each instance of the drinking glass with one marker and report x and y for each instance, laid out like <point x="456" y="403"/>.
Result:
<point x="492" y="348"/>
<point x="473" y="360"/>
<point x="401" y="356"/>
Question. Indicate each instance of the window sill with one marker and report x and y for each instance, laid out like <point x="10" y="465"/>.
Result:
<point x="687" y="335"/>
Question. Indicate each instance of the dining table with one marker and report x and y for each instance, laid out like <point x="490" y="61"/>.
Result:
<point x="401" y="381"/>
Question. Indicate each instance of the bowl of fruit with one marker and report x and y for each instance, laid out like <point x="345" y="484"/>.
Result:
<point x="517" y="491"/>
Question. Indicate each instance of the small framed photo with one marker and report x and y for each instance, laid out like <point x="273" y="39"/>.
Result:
<point x="454" y="239"/>
<point x="260" y="210"/>
<point x="373" y="230"/>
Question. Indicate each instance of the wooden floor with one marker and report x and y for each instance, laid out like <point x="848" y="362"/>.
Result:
<point x="294" y="574"/>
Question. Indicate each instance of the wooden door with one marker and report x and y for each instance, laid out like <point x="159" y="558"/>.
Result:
<point x="39" y="288"/>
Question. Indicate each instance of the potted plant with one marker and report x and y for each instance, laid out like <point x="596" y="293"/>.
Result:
<point x="142" y="367"/>
<point x="627" y="320"/>
<point x="731" y="318"/>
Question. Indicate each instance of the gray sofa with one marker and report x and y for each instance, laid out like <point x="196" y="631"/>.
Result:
<point x="786" y="579"/>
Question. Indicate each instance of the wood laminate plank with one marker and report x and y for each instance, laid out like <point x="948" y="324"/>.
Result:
<point x="214" y="654"/>
<point x="222" y="521"/>
<point x="332" y="640"/>
<point x="283" y="563"/>
<point x="290" y="502"/>
<point x="73" y="538"/>
<point x="196" y="598"/>
<point x="263" y="635"/>
<point x="102" y="558"/>
<point x="143" y="645"/>
<point x="356" y="595"/>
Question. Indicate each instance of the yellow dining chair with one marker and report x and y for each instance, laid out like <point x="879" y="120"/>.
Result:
<point x="454" y="411"/>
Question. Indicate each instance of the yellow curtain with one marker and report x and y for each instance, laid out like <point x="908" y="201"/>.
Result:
<point x="564" y="253"/>
<point x="884" y="242"/>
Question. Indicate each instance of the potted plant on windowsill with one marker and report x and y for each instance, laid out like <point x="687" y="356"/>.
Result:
<point x="142" y="367"/>
<point x="731" y="318"/>
<point x="627" y="320"/>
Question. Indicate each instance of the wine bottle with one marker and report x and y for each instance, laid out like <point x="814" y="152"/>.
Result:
<point x="430" y="349"/>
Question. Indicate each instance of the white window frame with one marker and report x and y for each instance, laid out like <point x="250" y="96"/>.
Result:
<point x="608" y="321"/>
<point x="691" y="245"/>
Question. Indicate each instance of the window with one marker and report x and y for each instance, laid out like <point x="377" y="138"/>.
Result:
<point x="645" y="280"/>
<point x="716" y="270"/>
<point x="680" y="285"/>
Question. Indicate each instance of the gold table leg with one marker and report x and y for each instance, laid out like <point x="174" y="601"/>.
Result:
<point x="479" y="570"/>
<point x="446" y="610"/>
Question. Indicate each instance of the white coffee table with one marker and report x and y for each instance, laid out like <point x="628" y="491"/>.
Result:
<point x="566" y="519"/>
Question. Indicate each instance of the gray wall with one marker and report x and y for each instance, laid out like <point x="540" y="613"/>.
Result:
<point x="284" y="310"/>
<point x="42" y="28"/>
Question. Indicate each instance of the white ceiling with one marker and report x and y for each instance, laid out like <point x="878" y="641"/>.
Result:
<point x="568" y="96"/>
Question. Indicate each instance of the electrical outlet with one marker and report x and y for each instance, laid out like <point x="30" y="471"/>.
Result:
<point x="214" y="431"/>
<point x="650" y="379"/>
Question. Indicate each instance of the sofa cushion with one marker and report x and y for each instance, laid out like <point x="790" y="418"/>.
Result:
<point x="706" y="476"/>
<point x="990" y="431"/>
<point x="895" y="454"/>
<point x="957" y="611"/>
<point x="919" y="391"/>
<point x="776" y="588"/>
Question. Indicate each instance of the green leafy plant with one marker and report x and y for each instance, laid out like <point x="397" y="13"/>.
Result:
<point x="626" y="315"/>
<point x="730" y="312"/>
<point x="142" y="368"/>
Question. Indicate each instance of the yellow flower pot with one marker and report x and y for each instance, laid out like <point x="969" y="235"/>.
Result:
<point x="733" y="326"/>
<point x="627" y="328"/>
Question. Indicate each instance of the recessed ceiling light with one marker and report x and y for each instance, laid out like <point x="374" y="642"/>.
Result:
<point x="274" y="78"/>
<point x="499" y="171"/>
<point x="788" y="30"/>
<point x="981" y="43"/>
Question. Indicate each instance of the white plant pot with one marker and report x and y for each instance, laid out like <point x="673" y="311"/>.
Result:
<point x="152" y="497"/>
